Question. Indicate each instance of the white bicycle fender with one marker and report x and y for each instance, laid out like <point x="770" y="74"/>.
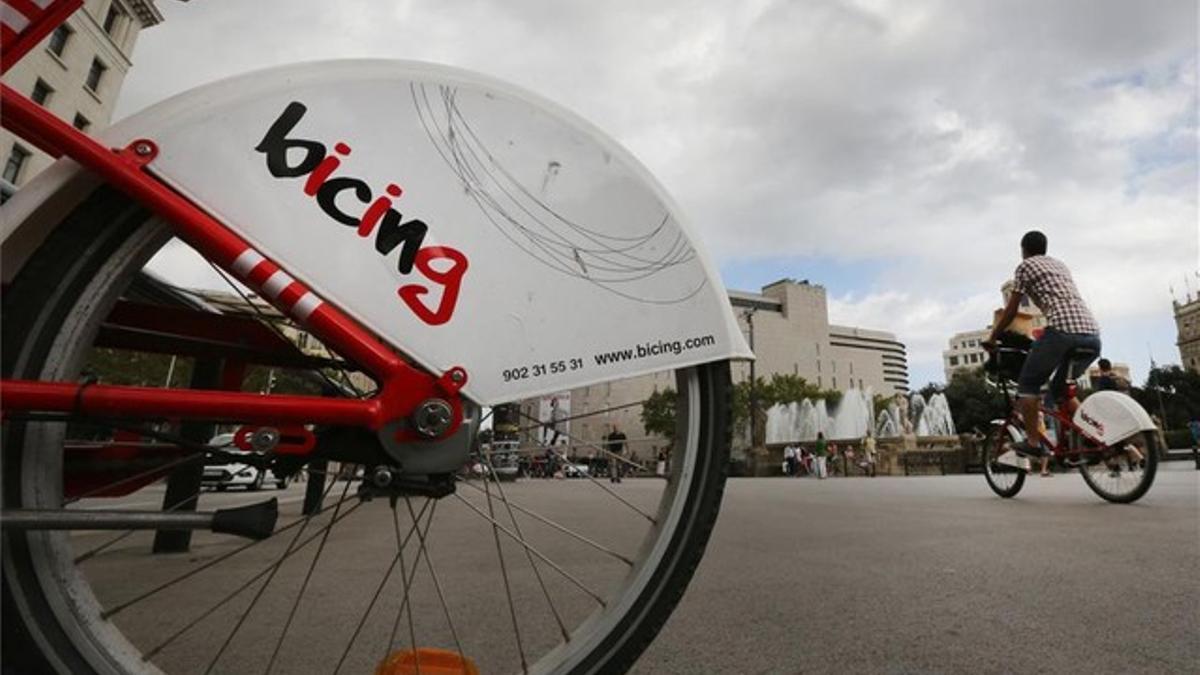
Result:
<point x="466" y="222"/>
<point x="1112" y="416"/>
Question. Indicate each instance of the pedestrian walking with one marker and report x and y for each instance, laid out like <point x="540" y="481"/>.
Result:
<point x="789" y="460"/>
<point x="869" y="454"/>
<point x="554" y="426"/>
<point x="616" y="452"/>
<point x="820" y="453"/>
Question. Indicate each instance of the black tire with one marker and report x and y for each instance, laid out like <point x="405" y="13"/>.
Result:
<point x="40" y="636"/>
<point x="1121" y="474"/>
<point x="1004" y="480"/>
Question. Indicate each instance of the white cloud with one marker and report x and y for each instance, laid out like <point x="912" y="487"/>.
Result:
<point x="921" y="136"/>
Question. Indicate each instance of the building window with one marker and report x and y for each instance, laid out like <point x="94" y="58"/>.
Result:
<point x="818" y="365"/>
<point x="95" y="74"/>
<point x="819" y="382"/>
<point x="834" y="382"/>
<point x="41" y="92"/>
<point x="16" y="161"/>
<point x="58" y="39"/>
<point x="113" y="19"/>
<point x="953" y="360"/>
<point x="80" y="122"/>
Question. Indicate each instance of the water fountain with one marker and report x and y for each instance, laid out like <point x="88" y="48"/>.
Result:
<point x="855" y="414"/>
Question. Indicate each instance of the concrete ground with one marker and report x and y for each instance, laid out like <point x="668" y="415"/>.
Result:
<point x="896" y="575"/>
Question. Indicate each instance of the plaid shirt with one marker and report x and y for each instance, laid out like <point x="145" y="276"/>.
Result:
<point x="1047" y="282"/>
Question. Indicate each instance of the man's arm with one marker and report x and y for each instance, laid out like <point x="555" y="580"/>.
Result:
<point x="1006" y="317"/>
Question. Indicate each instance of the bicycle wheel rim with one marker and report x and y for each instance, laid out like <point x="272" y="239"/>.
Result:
<point x="1119" y="474"/>
<point x="1005" y="481"/>
<point x="102" y="647"/>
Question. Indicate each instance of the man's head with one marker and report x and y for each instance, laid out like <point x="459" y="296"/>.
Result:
<point x="1033" y="243"/>
<point x="1105" y="365"/>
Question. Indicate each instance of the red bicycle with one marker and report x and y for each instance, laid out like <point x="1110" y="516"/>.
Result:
<point x="454" y="243"/>
<point x="1110" y="438"/>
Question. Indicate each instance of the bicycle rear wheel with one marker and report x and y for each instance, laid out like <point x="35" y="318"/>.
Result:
<point x="1124" y="471"/>
<point x="73" y="609"/>
<point x="1005" y="480"/>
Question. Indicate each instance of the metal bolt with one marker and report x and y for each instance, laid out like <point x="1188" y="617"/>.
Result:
<point x="457" y="376"/>
<point x="142" y="148"/>
<point x="433" y="417"/>
<point x="381" y="477"/>
<point x="264" y="439"/>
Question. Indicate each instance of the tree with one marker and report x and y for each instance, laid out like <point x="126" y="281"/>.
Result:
<point x="1173" y="391"/>
<point x="974" y="402"/>
<point x="658" y="413"/>
<point x="140" y="369"/>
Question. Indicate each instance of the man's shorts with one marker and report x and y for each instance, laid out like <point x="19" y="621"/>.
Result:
<point x="1047" y="353"/>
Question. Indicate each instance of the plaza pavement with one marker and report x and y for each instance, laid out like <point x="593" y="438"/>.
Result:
<point x="937" y="575"/>
<point x="893" y="575"/>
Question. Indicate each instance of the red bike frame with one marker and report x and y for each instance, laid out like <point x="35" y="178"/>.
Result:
<point x="402" y="386"/>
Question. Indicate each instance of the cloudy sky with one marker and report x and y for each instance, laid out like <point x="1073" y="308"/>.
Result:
<point x="892" y="151"/>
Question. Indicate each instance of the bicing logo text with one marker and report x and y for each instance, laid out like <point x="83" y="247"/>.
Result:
<point x="379" y="215"/>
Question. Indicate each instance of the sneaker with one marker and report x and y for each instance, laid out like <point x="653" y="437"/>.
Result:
<point x="1012" y="459"/>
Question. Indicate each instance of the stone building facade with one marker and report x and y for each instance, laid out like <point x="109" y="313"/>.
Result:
<point x="787" y="326"/>
<point x="75" y="73"/>
<point x="1187" y="325"/>
<point x="965" y="352"/>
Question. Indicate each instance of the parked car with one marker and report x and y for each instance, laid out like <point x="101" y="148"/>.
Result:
<point x="504" y="459"/>
<point x="224" y="473"/>
<point x="574" y="470"/>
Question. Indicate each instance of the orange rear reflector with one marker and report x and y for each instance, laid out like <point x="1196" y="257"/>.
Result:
<point x="432" y="662"/>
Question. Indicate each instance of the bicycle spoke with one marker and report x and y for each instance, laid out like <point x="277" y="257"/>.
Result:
<point x="597" y="483"/>
<point x="404" y="603"/>
<point x="261" y="573"/>
<point x="436" y="584"/>
<point x="512" y="610"/>
<point x="301" y="520"/>
<point x="517" y="528"/>
<point x="561" y="528"/>
<point x="581" y="416"/>
<point x="382" y="583"/>
<point x="405" y="579"/>
<point x="304" y="585"/>
<point x="135" y="477"/>
<point x="553" y="565"/>
<point x="279" y="332"/>
<point x="93" y="552"/>
<point x="274" y="569"/>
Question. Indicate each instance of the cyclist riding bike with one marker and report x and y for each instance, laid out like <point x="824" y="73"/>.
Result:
<point x="1070" y="328"/>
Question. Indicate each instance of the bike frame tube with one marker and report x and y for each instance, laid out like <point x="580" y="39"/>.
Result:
<point x="17" y="44"/>
<point x="1057" y="449"/>
<point x="118" y="401"/>
<point x="403" y="387"/>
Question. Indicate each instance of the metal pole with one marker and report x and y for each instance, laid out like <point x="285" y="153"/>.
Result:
<point x="183" y="484"/>
<point x="753" y="386"/>
<point x="33" y="519"/>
